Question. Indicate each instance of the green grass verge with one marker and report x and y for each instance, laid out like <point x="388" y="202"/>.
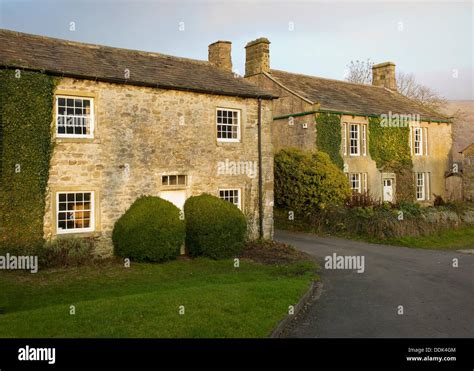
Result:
<point x="453" y="239"/>
<point x="143" y="300"/>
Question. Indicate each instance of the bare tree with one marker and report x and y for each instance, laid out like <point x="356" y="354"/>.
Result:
<point x="360" y="72"/>
<point x="407" y="85"/>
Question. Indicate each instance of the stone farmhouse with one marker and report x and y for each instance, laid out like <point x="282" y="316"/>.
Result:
<point x="302" y="98"/>
<point x="128" y="123"/>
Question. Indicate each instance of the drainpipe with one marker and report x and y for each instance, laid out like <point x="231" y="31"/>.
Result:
<point x="260" y="172"/>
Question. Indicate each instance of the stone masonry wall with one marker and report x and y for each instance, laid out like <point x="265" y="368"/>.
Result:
<point x="143" y="133"/>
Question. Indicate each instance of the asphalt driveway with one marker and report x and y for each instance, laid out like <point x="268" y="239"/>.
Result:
<point x="437" y="298"/>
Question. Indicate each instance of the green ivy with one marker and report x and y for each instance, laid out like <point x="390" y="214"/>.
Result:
<point x="390" y="149"/>
<point x="26" y="104"/>
<point x="328" y="136"/>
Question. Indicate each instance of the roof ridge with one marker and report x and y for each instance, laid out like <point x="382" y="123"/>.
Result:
<point x="100" y="46"/>
<point x="328" y="79"/>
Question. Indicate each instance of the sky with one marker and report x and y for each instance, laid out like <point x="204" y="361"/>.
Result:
<point x="431" y="39"/>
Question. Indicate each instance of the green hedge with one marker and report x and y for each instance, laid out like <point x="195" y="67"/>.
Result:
<point x="214" y="228"/>
<point x="328" y="136"/>
<point x="307" y="182"/>
<point x="26" y="104"/>
<point x="149" y="231"/>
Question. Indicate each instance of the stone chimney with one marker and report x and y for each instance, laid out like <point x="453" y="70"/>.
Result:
<point x="383" y="74"/>
<point x="257" y="57"/>
<point x="219" y="55"/>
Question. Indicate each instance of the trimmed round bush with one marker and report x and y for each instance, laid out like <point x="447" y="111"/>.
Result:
<point x="149" y="231"/>
<point x="215" y="228"/>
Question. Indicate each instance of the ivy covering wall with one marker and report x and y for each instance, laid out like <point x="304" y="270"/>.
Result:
<point x="26" y="104"/>
<point x="328" y="137"/>
<point x="390" y="149"/>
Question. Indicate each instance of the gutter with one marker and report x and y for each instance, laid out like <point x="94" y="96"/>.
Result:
<point x="348" y="114"/>
<point x="260" y="169"/>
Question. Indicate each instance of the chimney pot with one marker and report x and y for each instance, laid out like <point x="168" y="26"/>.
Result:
<point x="383" y="74"/>
<point x="220" y="55"/>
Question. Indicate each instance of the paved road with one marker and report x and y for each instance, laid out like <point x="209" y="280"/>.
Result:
<point x="437" y="299"/>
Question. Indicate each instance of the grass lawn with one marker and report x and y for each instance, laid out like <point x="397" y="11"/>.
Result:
<point x="454" y="239"/>
<point x="143" y="300"/>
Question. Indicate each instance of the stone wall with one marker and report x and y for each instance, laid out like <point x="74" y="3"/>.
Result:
<point x="143" y="133"/>
<point x="299" y="131"/>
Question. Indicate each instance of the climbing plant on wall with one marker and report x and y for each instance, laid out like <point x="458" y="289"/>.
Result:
<point x="328" y="136"/>
<point x="389" y="147"/>
<point x="26" y="104"/>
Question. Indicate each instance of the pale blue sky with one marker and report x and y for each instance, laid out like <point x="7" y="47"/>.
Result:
<point x="430" y="39"/>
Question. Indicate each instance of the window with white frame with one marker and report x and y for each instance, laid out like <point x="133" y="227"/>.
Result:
<point x="355" y="182"/>
<point x="228" y="125"/>
<point x="354" y="138"/>
<point x="75" y="212"/>
<point x="423" y="184"/>
<point x="171" y="180"/>
<point x="419" y="141"/>
<point x="231" y="195"/>
<point x="74" y="117"/>
<point x="420" y="186"/>
<point x="358" y="182"/>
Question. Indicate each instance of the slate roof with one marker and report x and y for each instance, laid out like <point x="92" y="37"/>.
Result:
<point x="104" y="63"/>
<point x="342" y="96"/>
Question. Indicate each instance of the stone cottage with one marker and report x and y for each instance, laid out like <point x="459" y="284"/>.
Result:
<point x="129" y="123"/>
<point x="303" y="97"/>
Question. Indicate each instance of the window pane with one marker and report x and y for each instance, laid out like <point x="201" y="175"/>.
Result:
<point x="73" y="212"/>
<point x="227" y="124"/>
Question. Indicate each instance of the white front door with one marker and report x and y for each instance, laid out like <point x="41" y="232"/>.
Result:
<point x="177" y="198"/>
<point x="388" y="190"/>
